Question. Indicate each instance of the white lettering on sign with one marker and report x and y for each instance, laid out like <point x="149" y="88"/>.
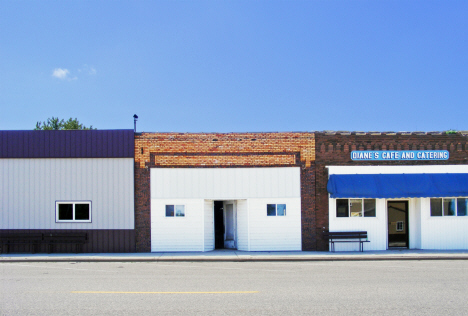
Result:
<point x="400" y="155"/>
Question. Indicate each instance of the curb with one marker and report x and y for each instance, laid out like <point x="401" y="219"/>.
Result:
<point x="390" y="258"/>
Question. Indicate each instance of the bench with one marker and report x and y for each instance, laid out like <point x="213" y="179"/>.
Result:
<point x="333" y="237"/>
<point x="52" y="239"/>
<point x="32" y="239"/>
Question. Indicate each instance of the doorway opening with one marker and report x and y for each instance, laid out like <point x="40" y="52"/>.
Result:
<point x="225" y="225"/>
<point x="397" y="222"/>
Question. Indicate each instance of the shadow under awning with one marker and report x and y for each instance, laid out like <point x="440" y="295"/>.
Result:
<point x="381" y="186"/>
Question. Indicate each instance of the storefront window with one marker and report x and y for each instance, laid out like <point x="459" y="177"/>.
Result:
<point x="449" y="207"/>
<point x="342" y="208"/>
<point x="462" y="206"/>
<point x="436" y="207"/>
<point x="355" y="207"/>
<point x="369" y="207"/>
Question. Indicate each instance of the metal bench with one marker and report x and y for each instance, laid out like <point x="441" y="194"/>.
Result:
<point x="52" y="239"/>
<point x="32" y="239"/>
<point x="333" y="237"/>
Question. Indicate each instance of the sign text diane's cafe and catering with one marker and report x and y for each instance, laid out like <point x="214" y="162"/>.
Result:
<point x="400" y="155"/>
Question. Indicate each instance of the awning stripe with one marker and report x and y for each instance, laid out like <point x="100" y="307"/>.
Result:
<point x="382" y="186"/>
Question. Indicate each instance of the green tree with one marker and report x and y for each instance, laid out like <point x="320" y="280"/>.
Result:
<point x="54" y="124"/>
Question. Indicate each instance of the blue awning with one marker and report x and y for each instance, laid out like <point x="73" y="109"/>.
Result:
<point x="384" y="186"/>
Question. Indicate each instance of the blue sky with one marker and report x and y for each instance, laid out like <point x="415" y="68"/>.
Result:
<point x="236" y="66"/>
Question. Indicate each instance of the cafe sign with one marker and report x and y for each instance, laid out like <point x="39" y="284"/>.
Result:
<point x="367" y="155"/>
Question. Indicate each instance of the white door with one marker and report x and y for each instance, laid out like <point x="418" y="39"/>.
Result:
<point x="230" y="225"/>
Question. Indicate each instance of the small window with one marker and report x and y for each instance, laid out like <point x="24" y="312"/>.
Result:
<point x="73" y="212"/>
<point x="449" y="207"/>
<point x="436" y="207"/>
<point x="175" y="210"/>
<point x="462" y="206"/>
<point x="355" y="207"/>
<point x="399" y="226"/>
<point x="342" y="209"/>
<point x="276" y="209"/>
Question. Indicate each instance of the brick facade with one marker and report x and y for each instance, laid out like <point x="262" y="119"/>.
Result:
<point x="206" y="150"/>
<point x="335" y="149"/>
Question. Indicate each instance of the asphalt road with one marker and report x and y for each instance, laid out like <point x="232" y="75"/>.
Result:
<point x="235" y="288"/>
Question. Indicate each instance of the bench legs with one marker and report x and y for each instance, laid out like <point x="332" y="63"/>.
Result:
<point x="361" y="245"/>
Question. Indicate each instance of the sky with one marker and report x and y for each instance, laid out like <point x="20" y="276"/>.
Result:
<point x="236" y="66"/>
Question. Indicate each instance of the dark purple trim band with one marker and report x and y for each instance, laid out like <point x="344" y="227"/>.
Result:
<point x="67" y="144"/>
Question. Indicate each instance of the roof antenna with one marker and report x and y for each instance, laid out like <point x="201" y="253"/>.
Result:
<point x="135" y="119"/>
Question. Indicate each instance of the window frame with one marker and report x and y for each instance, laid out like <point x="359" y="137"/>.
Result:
<point x="276" y="209"/>
<point x="57" y="203"/>
<point x="363" y="210"/>
<point x="175" y="210"/>
<point x="456" y="213"/>
<point x="400" y="226"/>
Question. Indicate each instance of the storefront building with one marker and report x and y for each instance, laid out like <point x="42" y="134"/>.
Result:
<point x="245" y="191"/>
<point x="407" y="190"/>
<point x="69" y="181"/>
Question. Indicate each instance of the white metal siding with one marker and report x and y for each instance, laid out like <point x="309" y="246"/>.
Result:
<point x="252" y="188"/>
<point x="29" y="189"/>
<point x="376" y="227"/>
<point x="425" y="232"/>
<point x="177" y="233"/>
<point x="209" y="225"/>
<point x="442" y="232"/>
<point x="414" y="219"/>
<point x="275" y="233"/>
<point x="242" y="225"/>
<point x="225" y="183"/>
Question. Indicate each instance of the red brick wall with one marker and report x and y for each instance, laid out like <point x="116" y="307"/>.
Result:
<point x="335" y="149"/>
<point x="203" y="150"/>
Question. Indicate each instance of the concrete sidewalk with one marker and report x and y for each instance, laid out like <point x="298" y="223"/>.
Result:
<point x="240" y="256"/>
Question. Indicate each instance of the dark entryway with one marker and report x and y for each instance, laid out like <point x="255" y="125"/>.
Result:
<point x="219" y="224"/>
<point x="397" y="224"/>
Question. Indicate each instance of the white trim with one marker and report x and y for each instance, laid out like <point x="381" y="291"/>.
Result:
<point x="397" y="169"/>
<point x="57" y="220"/>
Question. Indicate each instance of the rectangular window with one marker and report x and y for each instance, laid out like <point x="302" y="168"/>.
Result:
<point x="342" y="208"/>
<point x="399" y="226"/>
<point x="462" y="206"/>
<point x="449" y="207"/>
<point x="73" y="212"/>
<point x="276" y="209"/>
<point x="175" y="210"/>
<point x="355" y="208"/>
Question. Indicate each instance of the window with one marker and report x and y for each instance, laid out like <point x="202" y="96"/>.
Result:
<point x="449" y="207"/>
<point x="73" y="212"/>
<point x="399" y="226"/>
<point x="276" y="209"/>
<point x="175" y="210"/>
<point x="355" y="207"/>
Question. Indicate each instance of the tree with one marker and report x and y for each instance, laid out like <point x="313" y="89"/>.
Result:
<point x="54" y="124"/>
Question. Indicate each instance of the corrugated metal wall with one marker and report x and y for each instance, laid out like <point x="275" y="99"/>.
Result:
<point x="99" y="241"/>
<point x="225" y="183"/>
<point x="30" y="187"/>
<point x="242" y="225"/>
<point x="442" y="232"/>
<point x="67" y="144"/>
<point x="177" y="233"/>
<point x="250" y="187"/>
<point x="376" y="227"/>
<point x="209" y="225"/>
<point x="275" y="233"/>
